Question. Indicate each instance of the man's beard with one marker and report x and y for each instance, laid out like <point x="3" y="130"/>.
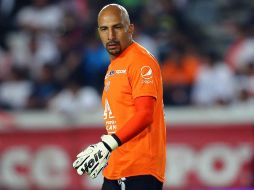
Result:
<point x="113" y="47"/>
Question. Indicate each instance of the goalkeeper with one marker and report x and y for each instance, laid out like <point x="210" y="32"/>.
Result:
<point x="133" y="153"/>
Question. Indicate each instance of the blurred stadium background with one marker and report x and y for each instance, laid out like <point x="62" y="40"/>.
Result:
<point x="52" y="66"/>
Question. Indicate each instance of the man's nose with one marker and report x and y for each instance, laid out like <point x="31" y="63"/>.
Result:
<point x="111" y="34"/>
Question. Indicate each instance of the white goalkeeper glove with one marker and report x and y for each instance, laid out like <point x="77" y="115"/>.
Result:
<point x="95" y="157"/>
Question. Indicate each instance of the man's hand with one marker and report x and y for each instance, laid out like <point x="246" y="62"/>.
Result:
<point x="95" y="157"/>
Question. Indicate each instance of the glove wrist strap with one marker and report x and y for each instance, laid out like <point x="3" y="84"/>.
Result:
<point x="107" y="146"/>
<point x="111" y="142"/>
<point x="117" y="139"/>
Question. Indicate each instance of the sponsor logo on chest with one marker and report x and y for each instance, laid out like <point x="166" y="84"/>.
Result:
<point x="113" y="72"/>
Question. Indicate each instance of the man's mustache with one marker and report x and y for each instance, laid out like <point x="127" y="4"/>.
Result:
<point x="112" y="42"/>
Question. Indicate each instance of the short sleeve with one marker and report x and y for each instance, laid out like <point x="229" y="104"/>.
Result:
<point x="144" y="78"/>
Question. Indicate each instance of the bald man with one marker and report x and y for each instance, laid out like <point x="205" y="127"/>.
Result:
<point x="132" y="154"/>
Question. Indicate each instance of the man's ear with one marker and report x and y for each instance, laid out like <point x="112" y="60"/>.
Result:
<point x="131" y="29"/>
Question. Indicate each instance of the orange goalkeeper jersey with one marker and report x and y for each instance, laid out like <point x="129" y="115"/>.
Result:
<point x="132" y="74"/>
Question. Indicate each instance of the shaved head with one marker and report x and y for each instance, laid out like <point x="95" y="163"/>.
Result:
<point x="116" y="9"/>
<point x="115" y="29"/>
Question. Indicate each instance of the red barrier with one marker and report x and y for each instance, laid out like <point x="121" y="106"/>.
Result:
<point x="200" y="156"/>
<point x="210" y="156"/>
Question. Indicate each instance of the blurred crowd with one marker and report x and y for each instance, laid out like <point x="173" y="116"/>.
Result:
<point x="51" y="56"/>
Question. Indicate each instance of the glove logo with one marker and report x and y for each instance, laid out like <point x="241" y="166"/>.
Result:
<point x="146" y="72"/>
<point x="92" y="161"/>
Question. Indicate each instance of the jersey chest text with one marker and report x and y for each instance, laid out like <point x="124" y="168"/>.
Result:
<point x="117" y="84"/>
<point x="116" y="93"/>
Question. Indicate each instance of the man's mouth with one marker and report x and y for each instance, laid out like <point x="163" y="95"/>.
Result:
<point x="112" y="45"/>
